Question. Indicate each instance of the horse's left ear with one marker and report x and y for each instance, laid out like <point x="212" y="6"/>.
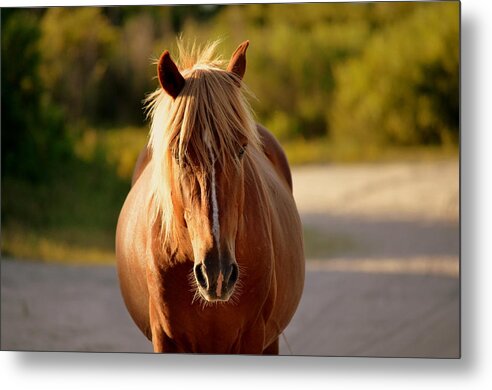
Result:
<point x="237" y="64"/>
<point x="169" y="76"/>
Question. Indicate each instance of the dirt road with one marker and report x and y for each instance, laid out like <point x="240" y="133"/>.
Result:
<point x="382" y="281"/>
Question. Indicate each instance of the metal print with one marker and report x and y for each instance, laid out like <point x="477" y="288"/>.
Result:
<point x="232" y="179"/>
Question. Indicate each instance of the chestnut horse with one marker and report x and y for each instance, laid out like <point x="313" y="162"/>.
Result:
<point x="209" y="242"/>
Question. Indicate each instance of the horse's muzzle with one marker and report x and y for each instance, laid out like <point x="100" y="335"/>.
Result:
<point x="216" y="281"/>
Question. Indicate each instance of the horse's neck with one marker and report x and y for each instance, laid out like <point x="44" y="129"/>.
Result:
<point x="262" y="178"/>
<point x="259" y="179"/>
<point x="268" y="197"/>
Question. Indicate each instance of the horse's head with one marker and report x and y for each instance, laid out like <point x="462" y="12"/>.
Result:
<point x="208" y="133"/>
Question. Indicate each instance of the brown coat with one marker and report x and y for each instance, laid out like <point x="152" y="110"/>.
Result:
<point x="269" y="250"/>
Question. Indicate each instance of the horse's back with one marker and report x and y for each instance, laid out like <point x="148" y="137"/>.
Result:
<point x="275" y="153"/>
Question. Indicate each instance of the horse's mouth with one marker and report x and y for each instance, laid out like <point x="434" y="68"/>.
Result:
<point x="212" y="297"/>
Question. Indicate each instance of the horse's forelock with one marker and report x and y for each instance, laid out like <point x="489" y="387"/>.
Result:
<point x="206" y="124"/>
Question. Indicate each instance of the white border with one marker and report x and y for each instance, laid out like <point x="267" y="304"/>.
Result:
<point x="83" y="371"/>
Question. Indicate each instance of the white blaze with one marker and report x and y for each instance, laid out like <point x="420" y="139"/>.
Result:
<point x="215" y="206"/>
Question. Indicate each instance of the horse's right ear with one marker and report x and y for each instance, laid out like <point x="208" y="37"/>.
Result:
<point x="237" y="64"/>
<point x="169" y="76"/>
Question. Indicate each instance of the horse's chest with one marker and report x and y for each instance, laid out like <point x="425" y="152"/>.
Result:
<point x="204" y="329"/>
<point x="192" y="324"/>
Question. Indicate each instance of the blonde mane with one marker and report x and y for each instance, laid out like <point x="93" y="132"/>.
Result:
<point x="207" y="123"/>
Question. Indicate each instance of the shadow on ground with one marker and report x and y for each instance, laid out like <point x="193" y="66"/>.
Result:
<point x="369" y="237"/>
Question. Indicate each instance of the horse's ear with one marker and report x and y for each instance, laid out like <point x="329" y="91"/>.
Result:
<point x="237" y="64"/>
<point x="169" y="76"/>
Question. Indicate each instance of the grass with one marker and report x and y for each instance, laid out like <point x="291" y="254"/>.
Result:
<point x="319" y="151"/>
<point x="72" y="219"/>
<point x="59" y="245"/>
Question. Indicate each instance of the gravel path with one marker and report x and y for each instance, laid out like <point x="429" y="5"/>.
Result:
<point x="394" y="291"/>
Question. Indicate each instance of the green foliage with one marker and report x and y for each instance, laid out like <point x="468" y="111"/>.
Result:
<point x="72" y="218"/>
<point x="76" y="45"/>
<point x="34" y="140"/>
<point x="117" y="147"/>
<point x="403" y="89"/>
<point x="384" y="73"/>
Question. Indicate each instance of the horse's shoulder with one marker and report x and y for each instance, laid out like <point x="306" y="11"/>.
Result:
<point x="134" y="210"/>
<point x="275" y="153"/>
<point x="142" y="161"/>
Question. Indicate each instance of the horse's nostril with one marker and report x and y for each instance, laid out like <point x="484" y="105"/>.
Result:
<point x="234" y="274"/>
<point x="200" y="276"/>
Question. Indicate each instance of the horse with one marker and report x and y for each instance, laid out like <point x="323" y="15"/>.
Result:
<point x="209" y="243"/>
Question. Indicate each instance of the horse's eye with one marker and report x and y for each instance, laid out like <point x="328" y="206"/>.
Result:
<point x="241" y="151"/>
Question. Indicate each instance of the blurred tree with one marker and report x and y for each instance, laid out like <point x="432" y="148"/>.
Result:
<point x="403" y="89"/>
<point x="368" y="72"/>
<point x="181" y="13"/>
<point x="130" y="74"/>
<point x="34" y="139"/>
<point x="76" y="44"/>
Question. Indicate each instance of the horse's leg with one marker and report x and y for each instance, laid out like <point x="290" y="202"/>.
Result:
<point x="160" y="341"/>
<point x="163" y="344"/>
<point x="272" y="349"/>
